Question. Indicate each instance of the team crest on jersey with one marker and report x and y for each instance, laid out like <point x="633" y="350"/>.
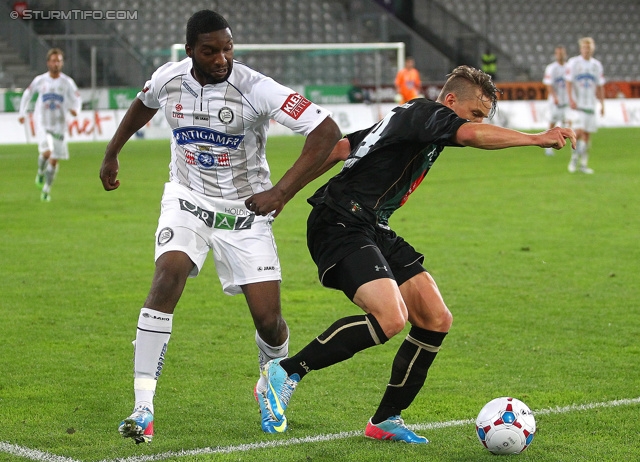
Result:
<point x="295" y="105"/>
<point x="225" y="115"/>
<point x="208" y="160"/>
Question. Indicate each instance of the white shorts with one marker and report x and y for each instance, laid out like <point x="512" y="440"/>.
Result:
<point x="244" y="249"/>
<point x="585" y="121"/>
<point x="557" y="114"/>
<point x="54" y="143"/>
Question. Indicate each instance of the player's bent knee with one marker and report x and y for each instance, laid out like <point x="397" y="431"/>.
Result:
<point x="445" y="321"/>
<point x="392" y="323"/>
<point x="438" y="321"/>
<point x="442" y="321"/>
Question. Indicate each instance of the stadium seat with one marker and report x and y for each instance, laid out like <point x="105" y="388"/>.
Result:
<point x="515" y="25"/>
<point x="526" y="31"/>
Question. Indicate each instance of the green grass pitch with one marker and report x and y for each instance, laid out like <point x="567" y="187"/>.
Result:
<point x="539" y="267"/>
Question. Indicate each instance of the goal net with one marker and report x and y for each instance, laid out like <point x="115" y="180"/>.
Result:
<point x="369" y="65"/>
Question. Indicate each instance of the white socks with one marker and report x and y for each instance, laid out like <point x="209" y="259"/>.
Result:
<point x="49" y="176"/>
<point x="580" y="153"/>
<point x="583" y="152"/>
<point x="154" y="331"/>
<point x="266" y="353"/>
<point x="42" y="164"/>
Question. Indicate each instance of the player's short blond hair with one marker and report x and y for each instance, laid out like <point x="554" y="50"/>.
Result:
<point x="588" y="40"/>
<point x="54" y="51"/>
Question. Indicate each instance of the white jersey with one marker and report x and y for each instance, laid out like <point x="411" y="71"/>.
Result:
<point x="554" y="76"/>
<point x="585" y="76"/>
<point x="55" y="98"/>
<point x="220" y="130"/>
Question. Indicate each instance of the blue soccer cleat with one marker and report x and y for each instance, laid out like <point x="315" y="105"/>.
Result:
<point x="268" y="422"/>
<point x="280" y="387"/>
<point x="393" y="429"/>
<point x="138" y="426"/>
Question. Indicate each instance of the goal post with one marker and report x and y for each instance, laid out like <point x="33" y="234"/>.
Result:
<point x="323" y="65"/>
<point x="177" y="49"/>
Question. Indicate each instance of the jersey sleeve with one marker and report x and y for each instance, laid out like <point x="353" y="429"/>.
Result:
<point x="288" y="107"/>
<point x="358" y="137"/>
<point x="149" y="93"/>
<point x="26" y="96"/>
<point x="73" y="95"/>
<point x="601" y="79"/>
<point x="568" y="75"/>
<point x="438" y="125"/>
<point x="546" y="79"/>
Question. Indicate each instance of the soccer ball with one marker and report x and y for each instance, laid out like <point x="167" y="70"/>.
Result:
<point x="505" y="426"/>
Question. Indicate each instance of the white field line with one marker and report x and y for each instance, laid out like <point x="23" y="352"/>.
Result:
<point x="40" y="456"/>
<point x="31" y="454"/>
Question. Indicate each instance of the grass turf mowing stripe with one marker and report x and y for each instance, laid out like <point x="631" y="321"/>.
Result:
<point x="41" y="456"/>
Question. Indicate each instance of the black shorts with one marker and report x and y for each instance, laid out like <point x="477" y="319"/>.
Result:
<point x="350" y="252"/>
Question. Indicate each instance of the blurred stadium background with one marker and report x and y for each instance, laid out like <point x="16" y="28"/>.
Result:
<point x="122" y="53"/>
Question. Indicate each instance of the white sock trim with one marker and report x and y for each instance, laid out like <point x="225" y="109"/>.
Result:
<point x="267" y="352"/>
<point x="145" y="384"/>
<point x="155" y="320"/>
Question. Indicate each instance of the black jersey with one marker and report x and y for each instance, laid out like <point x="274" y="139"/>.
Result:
<point x="389" y="160"/>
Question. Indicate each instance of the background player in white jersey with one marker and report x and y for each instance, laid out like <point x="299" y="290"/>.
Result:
<point x="554" y="79"/>
<point x="585" y="86"/>
<point x="219" y="196"/>
<point x="57" y="95"/>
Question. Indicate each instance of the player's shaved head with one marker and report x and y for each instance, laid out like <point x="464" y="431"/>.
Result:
<point x="202" y="22"/>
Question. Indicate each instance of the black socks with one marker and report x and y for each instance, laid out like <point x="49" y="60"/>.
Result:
<point x="341" y="341"/>
<point x="409" y="371"/>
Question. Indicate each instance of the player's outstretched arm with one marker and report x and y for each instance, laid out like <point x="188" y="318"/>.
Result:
<point x="317" y="148"/>
<point x="340" y="152"/>
<point x="136" y="117"/>
<point x="487" y="136"/>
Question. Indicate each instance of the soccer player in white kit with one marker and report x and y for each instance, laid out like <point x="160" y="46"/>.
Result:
<point x="57" y="95"/>
<point x="585" y="87"/>
<point x="219" y="196"/>
<point x="554" y="79"/>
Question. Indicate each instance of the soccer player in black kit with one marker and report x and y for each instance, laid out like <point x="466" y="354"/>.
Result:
<point x="356" y="252"/>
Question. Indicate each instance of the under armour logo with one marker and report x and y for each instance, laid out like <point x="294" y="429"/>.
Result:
<point x="380" y="268"/>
